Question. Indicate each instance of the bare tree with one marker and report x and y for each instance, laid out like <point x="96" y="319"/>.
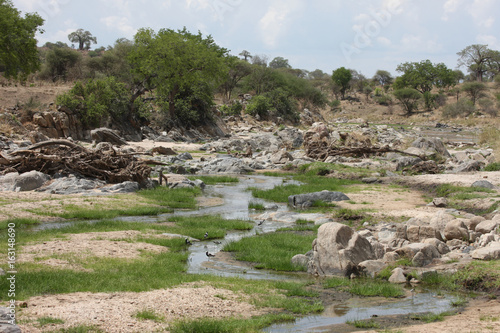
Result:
<point x="476" y="58"/>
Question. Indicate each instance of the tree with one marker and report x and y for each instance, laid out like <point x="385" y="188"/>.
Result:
<point x="383" y="78"/>
<point x="58" y="62"/>
<point x="475" y="90"/>
<point x="18" y="52"/>
<point x="260" y="60"/>
<point x="245" y="54"/>
<point x="238" y="69"/>
<point x="83" y="38"/>
<point x="341" y="77"/>
<point x="423" y="76"/>
<point x="173" y="63"/>
<point x="279" y="62"/>
<point x="409" y="98"/>
<point x="476" y="58"/>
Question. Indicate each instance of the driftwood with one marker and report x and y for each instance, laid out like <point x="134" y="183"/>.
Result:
<point x="66" y="157"/>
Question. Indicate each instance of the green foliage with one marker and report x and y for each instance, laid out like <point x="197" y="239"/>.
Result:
<point x="335" y="105"/>
<point x="279" y="62"/>
<point x="423" y="76"/>
<point x="462" y="108"/>
<point x="383" y="100"/>
<point x="365" y="287"/>
<point x="148" y="314"/>
<point x="409" y="99"/>
<point x="258" y="105"/>
<point x="232" y="110"/>
<point x="478" y="59"/>
<point x="18" y="51"/>
<point x="383" y="78"/>
<point x="42" y="321"/>
<point x="342" y="76"/>
<point x="59" y="61"/>
<point x="492" y="167"/>
<point x="363" y="323"/>
<point x="214" y="180"/>
<point x="83" y="38"/>
<point x="475" y="90"/>
<point x="97" y="100"/>
<point x="488" y="106"/>
<point x="271" y="250"/>
<point x="282" y="105"/>
<point x="451" y="191"/>
<point x="176" y="65"/>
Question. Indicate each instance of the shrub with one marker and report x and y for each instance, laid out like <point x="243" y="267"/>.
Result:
<point x="335" y="105"/>
<point x="259" y="105"/>
<point x="383" y="100"/>
<point x="488" y="106"/>
<point x="462" y="108"/>
<point x="232" y="110"/>
<point x="409" y="98"/>
<point x="96" y="100"/>
<point x="475" y="90"/>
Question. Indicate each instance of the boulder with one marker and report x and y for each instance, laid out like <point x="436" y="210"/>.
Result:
<point x="468" y="166"/>
<point x="291" y="137"/>
<point x="456" y="230"/>
<point x="281" y="157"/>
<point x="487" y="226"/>
<point x="473" y="222"/>
<point x="338" y="250"/>
<point x="421" y="254"/>
<point x="490" y="252"/>
<point x="300" y="260"/>
<point x="440" y="202"/>
<point x="440" y="246"/>
<point x="30" y="181"/>
<point x="418" y="233"/>
<point x="125" y="187"/>
<point x="107" y="135"/>
<point x="371" y="268"/>
<point x="484" y="184"/>
<point x="433" y="144"/>
<point x="391" y="257"/>
<point x="326" y="196"/>
<point x="397" y="276"/>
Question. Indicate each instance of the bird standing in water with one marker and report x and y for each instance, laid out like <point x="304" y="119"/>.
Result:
<point x="209" y="254"/>
<point x="188" y="242"/>
<point x="206" y="235"/>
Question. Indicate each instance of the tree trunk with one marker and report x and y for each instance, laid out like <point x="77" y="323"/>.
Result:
<point x="171" y="101"/>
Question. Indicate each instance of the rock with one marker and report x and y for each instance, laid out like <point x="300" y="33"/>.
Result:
<point x="300" y="260"/>
<point x="370" y="180"/>
<point x="338" y="250"/>
<point x="468" y="166"/>
<point x="406" y="161"/>
<point x="30" y="181"/>
<point x="326" y="196"/>
<point x="185" y="156"/>
<point x="473" y="222"/>
<point x="5" y="326"/>
<point x="433" y="144"/>
<point x="391" y="257"/>
<point x="226" y="164"/>
<point x="418" y="233"/>
<point x="163" y="151"/>
<point x="485" y="239"/>
<point x="378" y="249"/>
<point x="397" y="276"/>
<point x="440" y="246"/>
<point x="487" y="226"/>
<point x="291" y="137"/>
<point x="483" y="184"/>
<point x="164" y="138"/>
<point x="440" y="202"/>
<point x="371" y="268"/>
<point x="107" y="135"/>
<point x="490" y="252"/>
<point x="71" y="185"/>
<point x="428" y="253"/>
<point x="456" y="230"/>
<point x="125" y="187"/>
<point x="281" y="157"/>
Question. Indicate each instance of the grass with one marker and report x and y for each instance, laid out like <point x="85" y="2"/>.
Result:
<point x="363" y="323"/>
<point x="42" y="321"/>
<point x="229" y="325"/>
<point x="365" y="287"/>
<point x="197" y="226"/>
<point x="148" y="314"/>
<point x="80" y="329"/>
<point x="459" y="302"/>
<point x="256" y="205"/>
<point x="271" y="251"/>
<point x="214" y="180"/>
<point x="310" y="183"/>
<point x="460" y="192"/>
<point x="432" y="317"/>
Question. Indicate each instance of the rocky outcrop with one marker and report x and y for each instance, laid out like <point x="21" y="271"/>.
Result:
<point x="307" y="199"/>
<point x="338" y="250"/>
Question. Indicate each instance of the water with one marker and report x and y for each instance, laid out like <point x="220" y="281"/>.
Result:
<point x="364" y="308"/>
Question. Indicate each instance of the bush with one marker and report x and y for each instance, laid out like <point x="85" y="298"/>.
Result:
<point x="97" y="100"/>
<point x="409" y="98"/>
<point x="488" y="106"/>
<point x="259" y="105"/>
<point x="282" y="105"/>
<point x="462" y="108"/>
<point x="233" y="110"/>
<point x="383" y="100"/>
<point x="335" y="105"/>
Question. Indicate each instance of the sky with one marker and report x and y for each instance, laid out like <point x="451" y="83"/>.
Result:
<point x="364" y="35"/>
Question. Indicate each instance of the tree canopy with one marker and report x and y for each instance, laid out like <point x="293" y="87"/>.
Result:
<point x="173" y="62"/>
<point x="18" y="51"/>
<point x="342" y="76"/>
<point x="83" y="38"/>
<point x="279" y="62"/>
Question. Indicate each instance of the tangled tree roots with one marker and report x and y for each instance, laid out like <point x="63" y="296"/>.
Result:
<point x="66" y="157"/>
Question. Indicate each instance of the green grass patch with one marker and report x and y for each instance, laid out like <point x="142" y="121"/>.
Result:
<point x="229" y="325"/>
<point x="42" y="321"/>
<point x="492" y="167"/>
<point x="365" y="287"/>
<point x="80" y="329"/>
<point x="320" y="169"/>
<point x="99" y="212"/>
<point x="363" y="323"/>
<point x="148" y="314"/>
<point x="271" y="251"/>
<point x="309" y="184"/>
<point x="432" y="317"/>
<point x="256" y="205"/>
<point x="459" y="302"/>
<point x="214" y="180"/>
<point x="458" y="192"/>
<point x="174" y="198"/>
<point x="17" y="223"/>
<point x="197" y="226"/>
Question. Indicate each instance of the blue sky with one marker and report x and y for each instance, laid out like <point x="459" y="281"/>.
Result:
<point x="316" y="34"/>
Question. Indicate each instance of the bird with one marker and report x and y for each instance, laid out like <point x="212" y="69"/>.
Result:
<point x="261" y="222"/>
<point x="217" y="242"/>
<point x="206" y="235"/>
<point x="188" y="242"/>
<point x="209" y="254"/>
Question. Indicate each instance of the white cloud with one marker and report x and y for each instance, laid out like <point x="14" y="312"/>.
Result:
<point x="491" y="41"/>
<point x="274" y="24"/>
<point x="417" y="43"/>
<point x="449" y="7"/>
<point x="384" y="41"/>
<point x="481" y="11"/>
<point x="121" y="24"/>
